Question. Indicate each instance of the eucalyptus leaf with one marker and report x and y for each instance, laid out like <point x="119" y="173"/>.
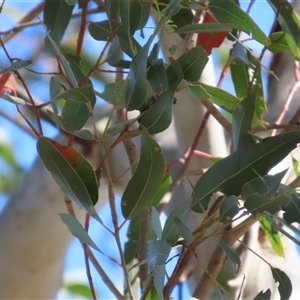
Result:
<point x="242" y="118"/>
<point x="146" y="180"/>
<point x="193" y="63"/>
<point x="287" y="18"/>
<point x="229" y="208"/>
<point x="231" y="13"/>
<point x="273" y="236"/>
<point x="17" y="65"/>
<point x="57" y="15"/>
<point x="185" y="232"/>
<point x="263" y="295"/>
<point x="171" y="232"/>
<point x="233" y="256"/>
<point x="158" y="252"/>
<point x="231" y="173"/>
<point x="285" y="286"/>
<point x="77" y="230"/>
<point x="114" y="93"/>
<point x="159" y="116"/>
<point x="155" y="223"/>
<point x="216" y="95"/>
<point x="257" y="204"/>
<point x="72" y="172"/>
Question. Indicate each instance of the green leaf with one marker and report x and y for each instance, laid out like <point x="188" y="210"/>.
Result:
<point x="287" y="18"/>
<point x="283" y="41"/>
<point x="78" y="290"/>
<point x="74" y="62"/>
<point x="158" y="252"/>
<point x="263" y="295"/>
<point x="203" y="28"/>
<point x="138" y="93"/>
<point x="139" y="14"/>
<point x="256" y="185"/>
<point x="84" y="134"/>
<point x="72" y="172"/>
<point x="185" y="232"/>
<point x="57" y="15"/>
<point x="193" y="63"/>
<point x="216" y="95"/>
<point x="292" y="210"/>
<point x="242" y="118"/>
<point x="55" y="87"/>
<point x="118" y="128"/>
<point x="77" y="109"/>
<point x="63" y="61"/>
<point x="104" y="30"/>
<point x="159" y="116"/>
<point x="17" y="65"/>
<point x="273" y="182"/>
<point x="77" y="230"/>
<point x="157" y="76"/>
<point x="273" y="236"/>
<point x="112" y="8"/>
<point x="231" y="13"/>
<point x="13" y="99"/>
<point x="231" y="254"/>
<point x="171" y="232"/>
<point x="146" y="180"/>
<point x="114" y="53"/>
<point x="285" y="286"/>
<point x="163" y="189"/>
<point x="231" y="173"/>
<point x="240" y="78"/>
<point x="238" y="54"/>
<point x="229" y="208"/>
<point x="125" y="16"/>
<point x="155" y="223"/>
<point x="114" y="93"/>
<point x="257" y="204"/>
<point x="257" y="87"/>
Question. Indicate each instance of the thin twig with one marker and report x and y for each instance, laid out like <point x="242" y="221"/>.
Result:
<point x="86" y="259"/>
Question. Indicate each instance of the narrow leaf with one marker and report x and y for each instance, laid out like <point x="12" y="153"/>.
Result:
<point x="72" y="172"/>
<point x="263" y="295"/>
<point x="146" y="180"/>
<point x="159" y="117"/>
<point x="77" y="230"/>
<point x="158" y="252"/>
<point x="17" y="65"/>
<point x="257" y="204"/>
<point x="114" y="93"/>
<point x="229" y="208"/>
<point x="287" y="19"/>
<point x="185" y="232"/>
<point x="231" y="254"/>
<point x="193" y="63"/>
<point x="203" y="28"/>
<point x="242" y="121"/>
<point x="230" y="12"/>
<point x="57" y="15"/>
<point x="285" y="286"/>
<point x="155" y="223"/>
<point x="63" y="61"/>
<point x="171" y="232"/>
<point x="273" y="236"/>
<point x="231" y="173"/>
<point x="216" y="95"/>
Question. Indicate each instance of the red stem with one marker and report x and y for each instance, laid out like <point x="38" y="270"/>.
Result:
<point x="84" y="4"/>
